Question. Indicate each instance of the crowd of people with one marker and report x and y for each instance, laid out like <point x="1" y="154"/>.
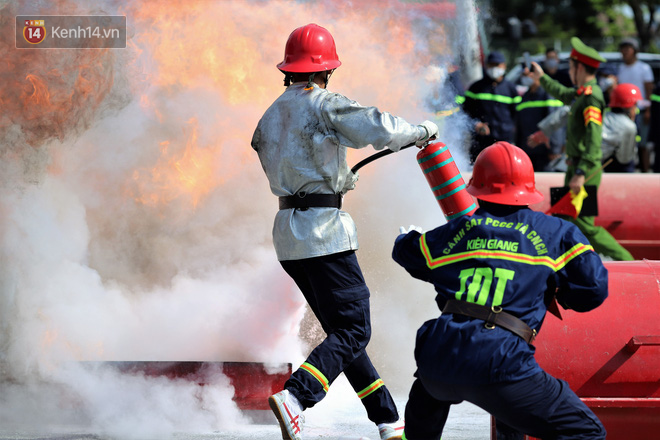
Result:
<point x="524" y="113"/>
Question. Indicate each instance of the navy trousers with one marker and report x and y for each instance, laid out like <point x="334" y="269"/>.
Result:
<point x="334" y="288"/>
<point x="541" y="406"/>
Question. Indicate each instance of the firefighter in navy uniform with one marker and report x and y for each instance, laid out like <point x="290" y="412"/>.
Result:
<point x="495" y="273"/>
<point x="302" y="140"/>
<point x="491" y="103"/>
<point x="584" y="136"/>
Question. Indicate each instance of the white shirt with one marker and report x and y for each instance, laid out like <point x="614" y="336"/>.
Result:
<point x="637" y="73"/>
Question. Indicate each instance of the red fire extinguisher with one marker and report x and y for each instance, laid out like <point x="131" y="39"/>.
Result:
<point x="443" y="176"/>
<point x="445" y="180"/>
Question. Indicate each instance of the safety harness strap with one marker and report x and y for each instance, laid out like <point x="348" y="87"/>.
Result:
<point x="494" y="316"/>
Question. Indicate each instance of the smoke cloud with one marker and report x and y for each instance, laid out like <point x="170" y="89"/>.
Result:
<point x="135" y="220"/>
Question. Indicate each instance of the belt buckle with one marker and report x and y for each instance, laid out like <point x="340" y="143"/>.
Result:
<point x="496" y="310"/>
<point x="301" y="195"/>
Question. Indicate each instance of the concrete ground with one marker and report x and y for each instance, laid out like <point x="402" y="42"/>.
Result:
<point x="340" y="419"/>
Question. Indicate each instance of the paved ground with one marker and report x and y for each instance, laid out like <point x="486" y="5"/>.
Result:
<point x="345" y="422"/>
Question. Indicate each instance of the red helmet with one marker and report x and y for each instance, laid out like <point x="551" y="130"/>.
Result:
<point x="625" y="96"/>
<point x="309" y="48"/>
<point x="503" y="173"/>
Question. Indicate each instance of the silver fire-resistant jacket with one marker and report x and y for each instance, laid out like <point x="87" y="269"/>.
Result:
<point x="301" y="141"/>
<point x="619" y="132"/>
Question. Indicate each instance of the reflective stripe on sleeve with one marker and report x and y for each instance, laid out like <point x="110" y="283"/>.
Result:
<point x="536" y="104"/>
<point x="492" y="97"/>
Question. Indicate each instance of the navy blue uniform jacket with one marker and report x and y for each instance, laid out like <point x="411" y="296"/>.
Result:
<point x="509" y="261"/>
<point x="495" y="103"/>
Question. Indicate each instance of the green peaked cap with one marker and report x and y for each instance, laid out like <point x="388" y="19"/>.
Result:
<point x="585" y="54"/>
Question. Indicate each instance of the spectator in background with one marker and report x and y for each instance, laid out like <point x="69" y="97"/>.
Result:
<point x="535" y="106"/>
<point x="634" y="71"/>
<point x="491" y="103"/>
<point x="551" y="68"/>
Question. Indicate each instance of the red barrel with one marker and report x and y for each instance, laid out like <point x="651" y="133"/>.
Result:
<point x="445" y="180"/>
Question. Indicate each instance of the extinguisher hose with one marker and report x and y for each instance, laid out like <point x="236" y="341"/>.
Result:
<point x="378" y="155"/>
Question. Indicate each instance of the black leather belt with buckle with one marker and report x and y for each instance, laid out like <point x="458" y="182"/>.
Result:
<point x="302" y="201"/>
<point x="494" y="316"/>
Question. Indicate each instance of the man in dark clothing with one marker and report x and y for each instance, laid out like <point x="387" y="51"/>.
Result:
<point x="551" y="68"/>
<point x="654" y="131"/>
<point x="491" y="103"/>
<point x="495" y="273"/>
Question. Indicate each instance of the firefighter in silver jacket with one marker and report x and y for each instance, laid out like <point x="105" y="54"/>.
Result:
<point x="302" y="141"/>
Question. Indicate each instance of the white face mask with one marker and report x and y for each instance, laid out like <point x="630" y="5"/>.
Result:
<point x="495" y="72"/>
<point x="606" y="83"/>
<point x="526" y="81"/>
<point x="551" y="63"/>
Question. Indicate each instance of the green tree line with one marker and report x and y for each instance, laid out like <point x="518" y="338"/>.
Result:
<point x="601" y="23"/>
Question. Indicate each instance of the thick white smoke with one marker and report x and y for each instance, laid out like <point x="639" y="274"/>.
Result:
<point x="135" y="219"/>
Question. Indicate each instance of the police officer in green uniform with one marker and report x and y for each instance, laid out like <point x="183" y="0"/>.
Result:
<point x="584" y="136"/>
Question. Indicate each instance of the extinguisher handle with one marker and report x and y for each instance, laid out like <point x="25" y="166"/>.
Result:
<point x="378" y="155"/>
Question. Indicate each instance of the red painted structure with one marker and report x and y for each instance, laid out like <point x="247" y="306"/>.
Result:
<point x="252" y="381"/>
<point x="628" y="207"/>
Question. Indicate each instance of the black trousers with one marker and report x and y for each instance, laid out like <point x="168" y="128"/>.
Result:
<point x="334" y="288"/>
<point x="541" y="406"/>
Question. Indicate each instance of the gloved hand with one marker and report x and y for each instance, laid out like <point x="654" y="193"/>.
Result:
<point x="351" y="178"/>
<point x="431" y="132"/>
<point x="402" y="230"/>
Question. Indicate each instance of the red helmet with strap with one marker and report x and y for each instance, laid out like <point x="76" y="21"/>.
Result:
<point x="310" y="48"/>
<point x="503" y="173"/>
<point x="625" y="95"/>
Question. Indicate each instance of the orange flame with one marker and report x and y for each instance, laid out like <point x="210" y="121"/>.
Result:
<point x="189" y="175"/>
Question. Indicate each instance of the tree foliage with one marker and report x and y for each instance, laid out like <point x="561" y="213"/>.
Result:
<point x="600" y="22"/>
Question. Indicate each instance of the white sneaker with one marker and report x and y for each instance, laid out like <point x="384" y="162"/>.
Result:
<point x="288" y="411"/>
<point x="391" y="431"/>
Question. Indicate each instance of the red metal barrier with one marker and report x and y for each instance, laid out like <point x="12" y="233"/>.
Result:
<point x="628" y="205"/>
<point x="252" y="381"/>
<point x="611" y="356"/>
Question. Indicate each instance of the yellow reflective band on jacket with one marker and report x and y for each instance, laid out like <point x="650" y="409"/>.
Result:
<point x="311" y="369"/>
<point x="537" y="104"/>
<point x="533" y="260"/>
<point x="371" y="388"/>
<point x="493" y="97"/>
<point x="592" y="114"/>
<point x="445" y="113"/>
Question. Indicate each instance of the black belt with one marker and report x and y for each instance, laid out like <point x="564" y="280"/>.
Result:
<point x="494" y="316"/>
<point x="302" y="201"/>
